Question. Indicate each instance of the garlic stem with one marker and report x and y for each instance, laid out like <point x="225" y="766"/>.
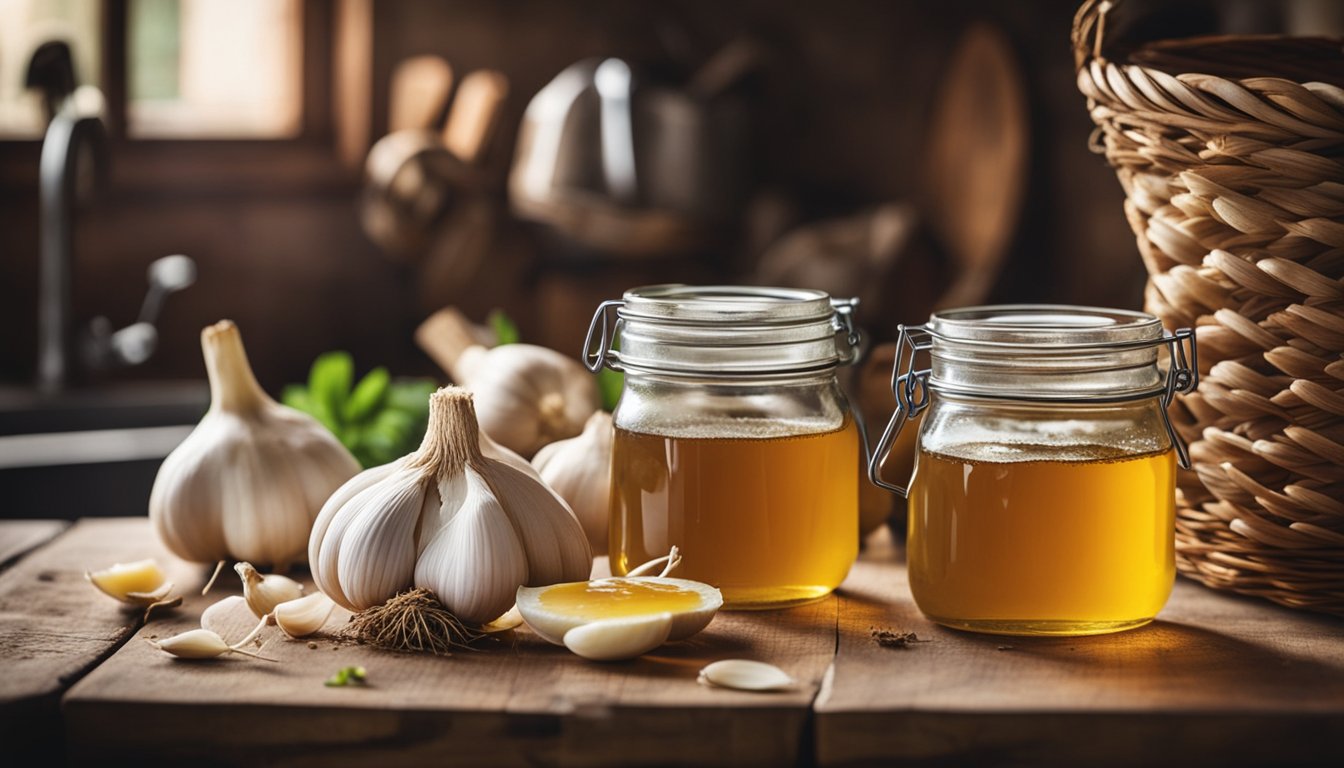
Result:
<point x="219" y="566"/>
<point x="251" y="635"/>
<point x="233" y="387"/>
<point x="453" y="438"/>
<point x="669" y="562"/>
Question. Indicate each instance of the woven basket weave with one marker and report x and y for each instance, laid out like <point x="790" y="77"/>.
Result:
<point x="1235" y="190"/>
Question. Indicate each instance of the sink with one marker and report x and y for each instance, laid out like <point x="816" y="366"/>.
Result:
<point x="90" y="453"/>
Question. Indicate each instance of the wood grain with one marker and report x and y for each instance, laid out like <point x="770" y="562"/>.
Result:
<point x="18" y="537"/>
<point x="1215" y="680"/>
<point x="54" y="626"/>
<point x="519" y="702"/>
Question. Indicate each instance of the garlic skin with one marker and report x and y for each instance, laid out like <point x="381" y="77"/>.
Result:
<point x="452" y="518"/>
<point x="264" y="593"/>
<point x="527" y="396"/>
<point x="248" y="482"/>
<point x="579" y="469"/>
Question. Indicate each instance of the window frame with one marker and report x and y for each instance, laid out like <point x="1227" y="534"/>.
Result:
<point x="172" y="166"/>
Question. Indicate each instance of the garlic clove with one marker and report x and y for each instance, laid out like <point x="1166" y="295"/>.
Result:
<point x="579" y="469"/>
<point x="370" y="548"/>
<point x="474" y="563"/>
<point x="691" y="604"/>
<point x="139" y="583"/>
<point x="511" y="619"/>
<point x="304" y="616"/>
<point x="221" y="614"/>
<point x="557" y="549"/>
<point x="745" y="675"/>
<point x="194" y="644"/>
<point x="263" y="593"/>
<point x="331" y="522"/>
<point x="617" y="639"/>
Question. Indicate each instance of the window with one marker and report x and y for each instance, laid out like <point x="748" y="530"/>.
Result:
<point x="190" y="69"/>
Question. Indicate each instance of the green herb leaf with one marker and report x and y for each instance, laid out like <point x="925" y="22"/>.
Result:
<point x="367" y="396"/>
<point x="610" y="383"/>
<point x="329" y="385"/>
<point x="506" y="331"/>
<point x="347" y="676"/>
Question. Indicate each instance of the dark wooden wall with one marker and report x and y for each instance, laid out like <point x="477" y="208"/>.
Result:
<point x="841" y="127"/>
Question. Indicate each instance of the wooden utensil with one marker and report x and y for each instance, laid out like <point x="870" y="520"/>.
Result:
<point x="976" y="161"/>
<point x="475" y="114"/>
<point x="419" y="93"/>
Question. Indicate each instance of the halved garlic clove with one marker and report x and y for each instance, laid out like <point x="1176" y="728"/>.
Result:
<point x="617" y="639"/>
<point x="139" y="583"/>
<point x="745" y="675"/>
<point x="264" y="593"/>
<point x="304" y="616"/>
<point x="553" y="611"/>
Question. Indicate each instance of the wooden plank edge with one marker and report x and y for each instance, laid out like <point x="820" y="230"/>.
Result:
<point x="20" y="537"/>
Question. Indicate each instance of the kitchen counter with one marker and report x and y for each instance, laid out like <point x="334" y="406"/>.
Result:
<point x="1216" y="680"/>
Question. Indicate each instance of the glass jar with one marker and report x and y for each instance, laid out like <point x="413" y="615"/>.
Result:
<point x="733" y="440"/>
<point x="1043" y="494"/>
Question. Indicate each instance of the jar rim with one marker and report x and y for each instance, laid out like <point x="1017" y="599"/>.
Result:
<point x="766" y="305"/>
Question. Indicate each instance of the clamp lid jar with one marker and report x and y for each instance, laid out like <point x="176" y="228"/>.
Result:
<point x="733" y="440"/>
<point x="1042" y="500"/>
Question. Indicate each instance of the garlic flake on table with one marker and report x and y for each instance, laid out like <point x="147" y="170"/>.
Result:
<point x="139" y="583"/>
<point x="579" y="469"/>
<point x="248" y="482"/>
<point x="460" y="517"/>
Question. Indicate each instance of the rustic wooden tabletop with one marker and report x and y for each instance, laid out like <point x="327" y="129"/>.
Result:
<point x="1216" y="680"/>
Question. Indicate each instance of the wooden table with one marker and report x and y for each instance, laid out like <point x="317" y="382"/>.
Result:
<point x="1217" y="680"/>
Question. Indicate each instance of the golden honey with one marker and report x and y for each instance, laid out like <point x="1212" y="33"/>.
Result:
<point x="770" y="521"/>
<point x="615" y="598"/>
<point x="1041" y="546"/>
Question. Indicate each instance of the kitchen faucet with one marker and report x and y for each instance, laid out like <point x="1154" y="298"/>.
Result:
<point x="73" y="162"/>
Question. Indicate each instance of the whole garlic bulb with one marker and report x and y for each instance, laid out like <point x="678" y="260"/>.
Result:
<point x="460" y="517"/>
<point x="527" y="396"/>
<point x="579" y="469"/>
<point x="248" y="482"/>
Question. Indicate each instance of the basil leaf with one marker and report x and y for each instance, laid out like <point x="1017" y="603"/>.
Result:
<point x="367" y="397"/>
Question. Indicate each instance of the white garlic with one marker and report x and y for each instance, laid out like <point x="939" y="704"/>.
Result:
<point x="138" y="583"/>
<point x="247" y="483"/>
<point x="304" y="616"/>
<point x="457" y="517"/>
<point x="579" y="469"/>
<point x="617" y="639"/>
<point x="527" y="396"/>
<point x="745" y="675"/>
<point x="207" y="644"/>
<point x="225" y="612"/>
<point x="264" y="593"/>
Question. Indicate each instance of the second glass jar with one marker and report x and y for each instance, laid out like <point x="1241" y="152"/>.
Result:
<point x="733" y="439"/>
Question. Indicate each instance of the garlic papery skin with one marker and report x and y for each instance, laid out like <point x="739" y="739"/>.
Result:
<point x="248" y="482"/>
<point x="527" y="396"/>
<point x="304" y="616"/>
<point x="618" y="639"/>
<point x="264" y="593"/>
<point x="579" y="469"/>
<point x="138" y="583"/>
<point x="458" y="517"/>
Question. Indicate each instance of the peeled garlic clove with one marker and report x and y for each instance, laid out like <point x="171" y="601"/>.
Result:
<point x="218" y="616"/>
<point x="510" y="620"/>
<point x="303" y="617"/>
<point x="263" y="593"/>
<point x="248" y="482"/>
<point x="746" y="675"/>
<point x="616" y="639"/>
<point x="579" y="469"/>
<point x="194" y="644"/>
<point x="139" y="583"/>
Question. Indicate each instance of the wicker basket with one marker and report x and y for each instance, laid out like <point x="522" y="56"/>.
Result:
<point x="1235" y="190"/>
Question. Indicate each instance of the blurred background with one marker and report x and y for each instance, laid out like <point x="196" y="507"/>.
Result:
<point x="337" y="170"/>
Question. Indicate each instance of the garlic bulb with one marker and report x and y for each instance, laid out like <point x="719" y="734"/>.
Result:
<point x="264" y="593"/>
<point x="459" y="517"/>
<point x="579" y="469"/>
<point x="247" y="483"/>
<point x="527" y="396"/>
